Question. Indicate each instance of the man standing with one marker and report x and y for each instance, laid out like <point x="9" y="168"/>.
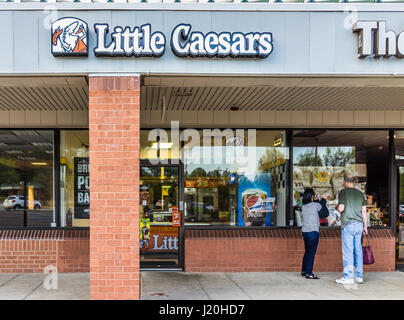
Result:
<point x="352" y="205"/>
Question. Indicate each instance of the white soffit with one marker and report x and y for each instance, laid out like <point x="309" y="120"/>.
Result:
<point x="43" y="93"/>
<point x="280" y="93"/>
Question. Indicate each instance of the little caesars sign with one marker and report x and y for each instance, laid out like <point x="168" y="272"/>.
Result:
<point x="375" y="40"/>
<point x="69" y="37"/>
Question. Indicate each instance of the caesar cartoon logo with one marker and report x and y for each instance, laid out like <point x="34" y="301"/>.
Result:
<point x="225" y="44"/>
<point x="69" y="37"/>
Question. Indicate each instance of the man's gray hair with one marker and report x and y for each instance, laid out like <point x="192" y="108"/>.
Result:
<point x="349" y="178"/>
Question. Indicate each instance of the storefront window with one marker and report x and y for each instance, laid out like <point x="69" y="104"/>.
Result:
<point x="235" y="177"/>
<point x="26" y="178"/>
<point x="321" y="158"/>
<point x="74" y="178"/>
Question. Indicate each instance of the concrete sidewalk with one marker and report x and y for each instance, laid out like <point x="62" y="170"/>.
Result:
<point x="212" y="286"/>
<point x="268" y="286"/>
<point x="30" y="286"/>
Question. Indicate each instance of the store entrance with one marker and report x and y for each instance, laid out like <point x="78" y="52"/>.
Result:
<point x="160" y="217"/>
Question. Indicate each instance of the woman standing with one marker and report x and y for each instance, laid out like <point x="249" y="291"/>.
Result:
<point x="310" y="230"/>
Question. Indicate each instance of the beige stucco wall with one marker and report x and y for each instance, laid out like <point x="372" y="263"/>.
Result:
<point x="44" y="119"/>
<point x="308" y="118"/>
<point x="275" y="119"/>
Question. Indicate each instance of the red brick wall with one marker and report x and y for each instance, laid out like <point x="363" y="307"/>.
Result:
<point x="114" y="111"/>
<point x="250" y="250"/>
<point x="30" y="251"/>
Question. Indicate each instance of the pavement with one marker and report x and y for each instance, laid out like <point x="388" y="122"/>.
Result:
<point x="157" y="285"/>
<point x="38" y="286"/>
<point x="268" y="286"/>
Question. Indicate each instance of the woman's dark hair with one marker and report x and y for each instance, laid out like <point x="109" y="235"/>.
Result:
<point x="307" y="195"/>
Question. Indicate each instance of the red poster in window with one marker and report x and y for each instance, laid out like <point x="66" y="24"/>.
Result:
<point x="190" y="183"/>
<point x="176" y="222"/>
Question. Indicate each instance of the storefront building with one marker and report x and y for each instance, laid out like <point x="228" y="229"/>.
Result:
<point x="180" y="136"/>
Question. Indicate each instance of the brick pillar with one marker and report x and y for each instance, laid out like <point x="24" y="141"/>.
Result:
<point x="114" y="113"/>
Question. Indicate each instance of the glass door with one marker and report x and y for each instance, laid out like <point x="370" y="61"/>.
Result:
<point x="160" y="218"/>
<point x="400" y="217"/>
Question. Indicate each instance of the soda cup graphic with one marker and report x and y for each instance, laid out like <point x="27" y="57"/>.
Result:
<point x="254" y="207"/>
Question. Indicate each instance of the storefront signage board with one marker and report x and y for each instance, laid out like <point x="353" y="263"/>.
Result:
<point x="303" y="42"/>
<point x="69" y="37"/>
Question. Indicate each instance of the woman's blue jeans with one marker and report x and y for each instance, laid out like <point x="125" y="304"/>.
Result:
<point x="310" y="246"/>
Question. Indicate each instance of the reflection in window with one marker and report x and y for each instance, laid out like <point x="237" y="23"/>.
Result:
<point x="26" y="178"/>
<point x="74" y="175"/>
<point x="159" y="144"/>
<point x="235" y="177"/>
<point x="322" y="158"/>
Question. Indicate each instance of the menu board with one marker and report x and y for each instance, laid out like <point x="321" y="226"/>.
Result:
<point x="81" y="188"/>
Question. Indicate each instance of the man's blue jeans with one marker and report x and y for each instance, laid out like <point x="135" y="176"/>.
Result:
<point x="310" y="246"/>
<point x="352" y="254"/>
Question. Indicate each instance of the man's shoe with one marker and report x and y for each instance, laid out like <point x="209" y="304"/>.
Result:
<point x="345" y="281"/>
<point x="359" y="280"/>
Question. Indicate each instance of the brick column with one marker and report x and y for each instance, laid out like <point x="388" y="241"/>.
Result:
<point x="114" y="113"/>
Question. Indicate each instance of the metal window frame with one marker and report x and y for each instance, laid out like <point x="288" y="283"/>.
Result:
<point x="181" y="184"/>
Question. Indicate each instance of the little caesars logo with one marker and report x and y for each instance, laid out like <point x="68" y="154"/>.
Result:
<point x="375" y="40"/>
<point x="69" y="38"/>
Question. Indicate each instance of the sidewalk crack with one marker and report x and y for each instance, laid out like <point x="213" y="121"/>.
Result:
<point x="200" y="284"/>
<point x="33" y="290"/>
<point x="237" y="285"/>
<point x="3" y="284"/>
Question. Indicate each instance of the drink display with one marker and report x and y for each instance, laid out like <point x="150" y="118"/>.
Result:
<point x="254" y="200"/>
<point x="254" y="207"/>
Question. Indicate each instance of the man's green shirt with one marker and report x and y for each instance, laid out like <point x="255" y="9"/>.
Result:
<point x="353" y="200"/>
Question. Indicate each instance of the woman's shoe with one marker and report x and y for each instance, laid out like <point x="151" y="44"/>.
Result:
<point x="303" y="274"/>
<point x="312" y="276"/>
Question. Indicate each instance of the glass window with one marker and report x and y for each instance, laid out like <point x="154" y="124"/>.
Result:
<point x="26" y="178"/>
<point x="399" y="144"/>
<point x="74" y="178"/>
<point x="321" y="158"/>
<point x="235" y="177"/>
<point x="160" y="144"/>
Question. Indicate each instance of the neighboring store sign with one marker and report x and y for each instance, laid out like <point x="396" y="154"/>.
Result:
<point x="81" y="188"/>
<point x="374" y="39"/>
<point x="69" y="38"/>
